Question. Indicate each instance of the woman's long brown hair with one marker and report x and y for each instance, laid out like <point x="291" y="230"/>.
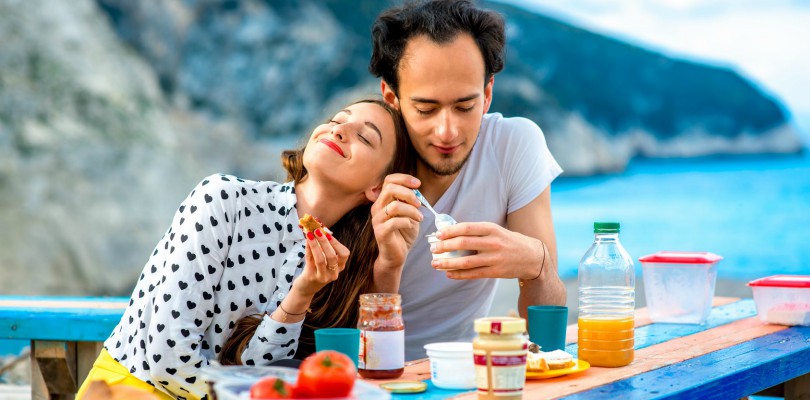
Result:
<point x="336" y="305"/>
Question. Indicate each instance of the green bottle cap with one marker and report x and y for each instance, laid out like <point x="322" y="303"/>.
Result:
<point x="605" y="227"/>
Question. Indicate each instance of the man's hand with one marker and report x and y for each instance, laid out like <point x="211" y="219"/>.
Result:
<point x="500" y="253"/>
<point x="395" y="217"/>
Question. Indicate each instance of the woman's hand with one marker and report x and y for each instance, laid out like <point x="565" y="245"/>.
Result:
<point x="325" y="259"/>
<point x="396" y="217"/>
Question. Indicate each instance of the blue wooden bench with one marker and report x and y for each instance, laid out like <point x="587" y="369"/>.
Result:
<point x="66" y="335"/>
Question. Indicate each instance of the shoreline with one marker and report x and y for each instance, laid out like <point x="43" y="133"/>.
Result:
<point x="506" y="295"/>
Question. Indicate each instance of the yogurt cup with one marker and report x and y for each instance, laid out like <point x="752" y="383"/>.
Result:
<point x="432" y="239"/>
<point x="451" y="365"/>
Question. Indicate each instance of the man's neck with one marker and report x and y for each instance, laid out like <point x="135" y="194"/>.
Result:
<point x="433" y="185"/>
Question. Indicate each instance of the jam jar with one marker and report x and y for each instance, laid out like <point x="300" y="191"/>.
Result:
<point x="382" y="336"/>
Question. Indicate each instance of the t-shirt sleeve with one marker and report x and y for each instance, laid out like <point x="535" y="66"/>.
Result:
<point x="529" y="166"/>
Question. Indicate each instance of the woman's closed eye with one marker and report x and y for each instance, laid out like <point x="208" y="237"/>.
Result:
<point x="363" y="139"/>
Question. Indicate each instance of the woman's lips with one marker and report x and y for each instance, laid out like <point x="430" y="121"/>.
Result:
<point x="333" y="146"/>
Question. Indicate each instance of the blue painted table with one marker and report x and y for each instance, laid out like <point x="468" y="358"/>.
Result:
<point x="66" y="334"/>
<point x="731" y="356"/>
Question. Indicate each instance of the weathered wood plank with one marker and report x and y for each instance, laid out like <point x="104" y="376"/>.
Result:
<point x="653" y="334"/>
<point x="651" y="358"/>
<point x="57" y="363"/>
<point x="642" y="318"/>
<point x="60" y="318"/>
<point x="729" y="373"/>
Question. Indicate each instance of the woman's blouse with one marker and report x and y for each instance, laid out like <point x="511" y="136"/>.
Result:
<point x="233" y="250"/>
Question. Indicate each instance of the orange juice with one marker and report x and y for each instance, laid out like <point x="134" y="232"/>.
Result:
<point x="606" y="342"/>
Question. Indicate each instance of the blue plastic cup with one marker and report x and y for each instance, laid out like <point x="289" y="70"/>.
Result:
<point x="547" y="325"/>
<point x="344" y="340"/>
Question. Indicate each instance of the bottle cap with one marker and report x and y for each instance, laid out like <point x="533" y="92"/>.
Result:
<point x="605" y="227"/>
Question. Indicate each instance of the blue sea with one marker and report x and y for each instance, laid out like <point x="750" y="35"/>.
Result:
<point x="752" y="210"/>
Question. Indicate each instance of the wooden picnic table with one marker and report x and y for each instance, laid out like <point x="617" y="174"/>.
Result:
<point x="66" y="335"/>
<point x="731" y="356"/>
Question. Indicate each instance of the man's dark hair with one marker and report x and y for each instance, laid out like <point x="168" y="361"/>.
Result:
<point x="440" y="20"/>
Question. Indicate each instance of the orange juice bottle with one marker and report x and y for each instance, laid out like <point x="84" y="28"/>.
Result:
<point x="606" y="300"/>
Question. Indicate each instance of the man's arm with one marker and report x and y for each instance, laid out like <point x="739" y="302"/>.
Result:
<point x="534" y="220"/>
<point x="516" y="251"/>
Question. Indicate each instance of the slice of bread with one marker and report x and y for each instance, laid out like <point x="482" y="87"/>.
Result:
<point x="547" y="361"/>
<point x="558" y="359"/>
<point x="308" y="223"/>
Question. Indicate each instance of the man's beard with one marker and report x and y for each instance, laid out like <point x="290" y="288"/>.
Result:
<point x="442" y="169"/>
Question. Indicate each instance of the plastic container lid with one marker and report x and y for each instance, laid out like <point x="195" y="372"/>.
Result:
<point x="500" y="325"/>
<point x="405" y="386"/>
<point x="605" y="227"/>
<point x="791" y="281"/>
<point x="681" y="257"/>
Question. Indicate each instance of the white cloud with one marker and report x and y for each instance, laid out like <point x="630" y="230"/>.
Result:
<point x="767" y="41"/>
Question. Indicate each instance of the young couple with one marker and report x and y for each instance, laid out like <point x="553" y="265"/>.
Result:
<point x="235" y="279"/>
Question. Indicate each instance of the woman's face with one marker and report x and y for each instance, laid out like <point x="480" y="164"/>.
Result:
<point x="353" y="149"/>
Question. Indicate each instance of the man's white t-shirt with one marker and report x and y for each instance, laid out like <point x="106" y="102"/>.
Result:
<point x="510" y="166"/>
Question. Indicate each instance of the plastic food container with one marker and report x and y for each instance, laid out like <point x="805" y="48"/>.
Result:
<point x="783" y="299"/>
<point x="432" y="239"/>
<point x="679" y="286"/>
<point x="451" y="365"/>
<point x="238" y="388"/>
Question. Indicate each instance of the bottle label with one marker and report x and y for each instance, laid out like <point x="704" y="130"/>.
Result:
<point x="382" y="350"/>
<point x="500" y="373"/>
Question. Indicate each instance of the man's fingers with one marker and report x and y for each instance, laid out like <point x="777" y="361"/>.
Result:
<point x="468" y="229"/>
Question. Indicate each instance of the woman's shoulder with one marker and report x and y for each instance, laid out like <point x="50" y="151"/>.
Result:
<point x="232" y="183"/>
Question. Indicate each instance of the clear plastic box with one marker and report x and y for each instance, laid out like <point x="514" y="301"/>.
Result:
<point x="783" y="299"/>
<point x="679" y="286"/>
<point x="233" y="383"/>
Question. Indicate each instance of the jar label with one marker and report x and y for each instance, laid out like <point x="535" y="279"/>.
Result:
<point x="382" y="350"/>
<point x="506" y="369"/>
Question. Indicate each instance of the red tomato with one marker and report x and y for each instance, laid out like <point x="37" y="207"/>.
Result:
<point x="326" y="374"/>
<point x="271" y="388"/>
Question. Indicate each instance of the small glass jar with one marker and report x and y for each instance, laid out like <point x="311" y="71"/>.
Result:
<point x="499" y="353"/>
<point x="382" y="336"/>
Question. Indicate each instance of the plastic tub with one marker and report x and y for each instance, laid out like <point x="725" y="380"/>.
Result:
<point x="679" y="286"/>
<point x="451" y="365"/>
<point x="783" y="299"/>
<point x="234" y="382"/>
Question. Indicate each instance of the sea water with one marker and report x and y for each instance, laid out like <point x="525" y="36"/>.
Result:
<point x="752" y="210"/>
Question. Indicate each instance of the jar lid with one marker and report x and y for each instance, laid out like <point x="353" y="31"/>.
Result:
<point x="681" y="257"/>
<point x="500" y="325"/>
<point x="404" y="386"/>
<point x="792" y="281"/>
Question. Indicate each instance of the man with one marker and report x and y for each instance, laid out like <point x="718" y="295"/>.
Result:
<point x="437" y="62"/>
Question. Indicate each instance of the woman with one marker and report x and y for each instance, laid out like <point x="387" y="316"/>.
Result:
<point x="234" y="250"/>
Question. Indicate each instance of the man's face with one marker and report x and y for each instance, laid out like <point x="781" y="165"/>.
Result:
<point x="442" y="97"/>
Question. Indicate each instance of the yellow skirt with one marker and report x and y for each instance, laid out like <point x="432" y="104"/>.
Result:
<point x="108" y="370"/>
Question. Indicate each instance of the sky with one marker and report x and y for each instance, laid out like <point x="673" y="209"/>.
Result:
<point x="767" y="41"/>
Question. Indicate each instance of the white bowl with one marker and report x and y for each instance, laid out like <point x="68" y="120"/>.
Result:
<point x="451" y="365"/>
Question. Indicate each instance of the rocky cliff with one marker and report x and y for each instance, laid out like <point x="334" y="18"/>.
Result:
<point x="111" y="111"/>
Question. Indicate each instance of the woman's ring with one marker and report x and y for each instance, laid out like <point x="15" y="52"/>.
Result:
<point x="386" y="210"/>
<point x="331" y="267"/>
